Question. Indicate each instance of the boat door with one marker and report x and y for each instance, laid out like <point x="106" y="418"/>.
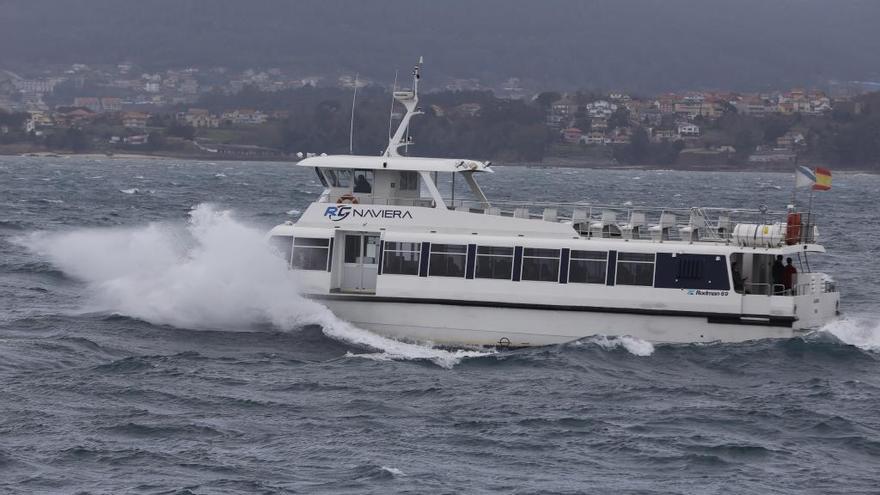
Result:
<point x="361" y="262"/>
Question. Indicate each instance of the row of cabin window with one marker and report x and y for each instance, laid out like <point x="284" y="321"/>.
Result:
<point x="363" y="179"/>
<point x="496" y="262"/>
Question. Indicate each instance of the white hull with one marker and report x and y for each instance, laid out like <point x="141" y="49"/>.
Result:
<point x="448" y="324"/>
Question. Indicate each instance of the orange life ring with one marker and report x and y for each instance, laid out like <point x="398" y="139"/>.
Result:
<point x="347" y="198"/>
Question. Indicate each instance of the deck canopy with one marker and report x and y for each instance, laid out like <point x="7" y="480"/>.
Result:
<point x="399" y="163"/>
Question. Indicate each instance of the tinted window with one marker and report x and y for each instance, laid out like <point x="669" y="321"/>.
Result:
<point x="338" y="177"/>
<point x="409" y="181"/>
<point x="692" y="271"/>
<point x="635" y="269"/>
<point x="363" y="181"/>
<point x="587" y="267"/>
<point x="352" y="248"/>
<point x="310" y="253"/>
<point x="447" y="260"/>
<point x="494" y="262"/>
<point x="401" y="258"/>
<point x="540" y="265"/>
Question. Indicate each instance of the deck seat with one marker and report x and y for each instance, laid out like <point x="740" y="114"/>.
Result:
<point x="606" y="226"/>
<point x="579" y="221"/>
<point x="636" y="226"/>
<point x="696" y="227"/>
<point x="521" y="213"/>
<point x="723" y="227"/>
<point x="492" y="210"/>
<point x="663" y="230"/>
<point x="549" y="215"/>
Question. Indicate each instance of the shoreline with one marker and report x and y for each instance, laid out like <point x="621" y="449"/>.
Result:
<point x="564" y="163"/>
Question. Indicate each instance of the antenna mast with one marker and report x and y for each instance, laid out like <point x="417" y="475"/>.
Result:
<point x="351" y="129"/>
<point x="409" y="98"/>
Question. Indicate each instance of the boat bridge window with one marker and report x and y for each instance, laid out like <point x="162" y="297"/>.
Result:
<point x="635" y="269"/>
<point x="409" y="181"/>
<point x="283" y="244"/>
<point x="587" y="267"/>
<point x="321" y="177"/>
<point x="401" y="258"/>
<point x="338" y="177"/>
<point x="363" y="181"/>
<point x="540" y="265"/>
<point x="447" y="260"/>
<point x="310" y="253"/>
<point x="494" y="262"/>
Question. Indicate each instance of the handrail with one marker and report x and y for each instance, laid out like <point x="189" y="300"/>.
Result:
<point x="706" y="224"/>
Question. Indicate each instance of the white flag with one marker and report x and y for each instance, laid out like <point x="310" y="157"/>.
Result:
<point x="804" y="177"/>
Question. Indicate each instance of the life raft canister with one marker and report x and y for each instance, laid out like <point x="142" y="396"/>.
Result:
<point x="347" y="199"/>
<point x="793" y="229"/>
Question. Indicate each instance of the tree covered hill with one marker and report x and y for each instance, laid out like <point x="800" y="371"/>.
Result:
<point x="647" y="45"/>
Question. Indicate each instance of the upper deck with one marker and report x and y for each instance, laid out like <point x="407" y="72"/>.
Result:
<point x="416" y="182"/>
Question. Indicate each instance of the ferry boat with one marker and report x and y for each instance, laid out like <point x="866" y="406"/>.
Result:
<point x="386" y="251"/>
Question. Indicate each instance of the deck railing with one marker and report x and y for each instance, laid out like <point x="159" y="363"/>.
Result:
<point x="625" y="221"/>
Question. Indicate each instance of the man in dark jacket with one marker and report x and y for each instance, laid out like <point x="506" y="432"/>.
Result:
<point x="778" y="273"/>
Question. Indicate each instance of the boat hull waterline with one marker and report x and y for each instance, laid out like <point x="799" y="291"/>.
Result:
<point x="468" y="325"/>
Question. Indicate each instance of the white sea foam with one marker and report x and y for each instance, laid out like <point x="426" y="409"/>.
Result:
<point x="394" y="471"/>
<point x="633" y="345"/>
<point x="862" y="332"/>
<point x="133" y="190"/>
<point x="212" y="273"/>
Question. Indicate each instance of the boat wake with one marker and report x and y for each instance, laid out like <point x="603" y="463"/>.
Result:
<point x="860" y="331"/>
<point x="213" y="272"/>
<point x="633" y="345"/>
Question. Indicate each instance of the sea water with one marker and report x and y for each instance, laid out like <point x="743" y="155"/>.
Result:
<point x="151" y="343"/>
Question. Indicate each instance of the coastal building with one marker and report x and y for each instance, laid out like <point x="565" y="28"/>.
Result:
<point x="572" y="135"/>
<point x="688" y="130"/>
<point x="135" y="120"/>
<point x="245" y="117"/>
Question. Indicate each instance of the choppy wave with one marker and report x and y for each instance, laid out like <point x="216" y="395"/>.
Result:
<point x="633" y="345"/>
<point x="862" y="332"/>
<point x="213" y="272"/>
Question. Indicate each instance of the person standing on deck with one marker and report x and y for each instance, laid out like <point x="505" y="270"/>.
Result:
<point x="778" y="273"/>
<point x="790" y="275"/>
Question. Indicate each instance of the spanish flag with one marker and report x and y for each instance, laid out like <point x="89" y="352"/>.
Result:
<point x="823" y="179"/>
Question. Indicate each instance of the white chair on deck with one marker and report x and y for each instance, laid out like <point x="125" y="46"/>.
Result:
<point x="606" y="226"/>
<point x="696" y="223"/>
<point x="724" y="228"/>
<point x="663" y="230"/>
<point x="635" y="227"/>
<point x="549" y="215"/>
<point x="579" y="220"/>
<point x="492" y="210"/>
<point x="521" y="213"/>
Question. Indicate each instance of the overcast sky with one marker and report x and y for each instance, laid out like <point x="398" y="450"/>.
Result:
<point x="638" y="44"/>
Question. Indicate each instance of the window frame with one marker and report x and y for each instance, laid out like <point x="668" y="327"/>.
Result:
<point x="494" y="257"/>
<point x="537" y="256"/>
<point x="311" y="245"/>
<point x="394" y="247"/>
<point x="574" y="257"/>
<point x="439" y="251"/>
<point x="620" y="259"/>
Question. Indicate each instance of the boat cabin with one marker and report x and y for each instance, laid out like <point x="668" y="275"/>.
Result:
<point x="387" y="180"/>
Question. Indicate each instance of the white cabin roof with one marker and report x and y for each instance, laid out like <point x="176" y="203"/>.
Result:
<point x="396" y="163"/>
